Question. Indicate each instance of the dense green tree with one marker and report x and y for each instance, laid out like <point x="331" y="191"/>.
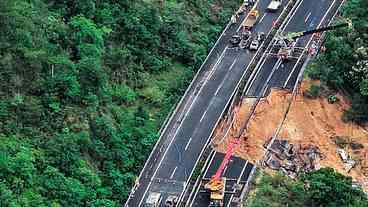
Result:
<point x="321" y="188"/>
<point x="280" y="191"/>
<point x="85" y="86"/>
<point x="345" y="63"/>
<point x="326" y="187"/>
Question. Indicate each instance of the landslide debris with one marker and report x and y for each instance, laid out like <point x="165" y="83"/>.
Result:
<point x="313" y="123"/>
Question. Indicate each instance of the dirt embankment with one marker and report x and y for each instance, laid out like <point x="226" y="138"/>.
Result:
<point x="309" y="121"/>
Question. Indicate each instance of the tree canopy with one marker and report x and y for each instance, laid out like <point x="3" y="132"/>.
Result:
<point x="322" y="188"/>
<point x="85" y="87"/>
<point x="344" y="65"/>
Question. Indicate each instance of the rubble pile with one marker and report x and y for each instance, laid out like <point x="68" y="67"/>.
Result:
<point x="309" y="121"/>
<point x="348" y="161"/>
<point x="292" y="159"/>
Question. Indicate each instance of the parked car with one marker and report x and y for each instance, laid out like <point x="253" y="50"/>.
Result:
<point x="261" y="36"/>
<point x="254" y="44"/>
<point x="235" y="40"/>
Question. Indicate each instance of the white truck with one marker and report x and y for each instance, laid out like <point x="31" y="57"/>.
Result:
<point x="254" y="44"/>
<point x="248" y="2"/>
<point x="153" y="200"/>
<point x="274" y="5"/>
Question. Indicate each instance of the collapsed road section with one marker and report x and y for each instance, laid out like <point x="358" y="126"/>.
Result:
<point x="271" y="70"/>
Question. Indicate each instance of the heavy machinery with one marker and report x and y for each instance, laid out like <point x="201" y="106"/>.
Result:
<point x="274" y="5"/>
<point x="217" y="183"/>
<point x="287" y="42"/>
<point x="251" y="20"/>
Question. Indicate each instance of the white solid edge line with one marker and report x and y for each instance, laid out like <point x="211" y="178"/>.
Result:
<point x="176" y="109"/>
<point x="273" y="138"/>
<point x="263" y="58"/>
<point x="213" y="153"/>
<point x="254" y="6"/>
<point x="187" y="145"/>
<point x="262" y="17"/>
<point x="172" y="174"/>
<point x="222" y="113"/>
<point x="306" y="19"/>
<point x="238" y="181"/>
<point x="310" y="39"/>
<point x="223" y="81"/>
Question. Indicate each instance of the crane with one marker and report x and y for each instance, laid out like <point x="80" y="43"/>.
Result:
<point x="287" y="42"/>
<point x="217" y="183"/>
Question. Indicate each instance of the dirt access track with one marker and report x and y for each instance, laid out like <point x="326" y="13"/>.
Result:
<point x="309" y="121"/>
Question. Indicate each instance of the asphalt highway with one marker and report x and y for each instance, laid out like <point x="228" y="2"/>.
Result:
<point x="309" y="15"/>
<point x="236" y="175"/>
<point x="171" y="164"/>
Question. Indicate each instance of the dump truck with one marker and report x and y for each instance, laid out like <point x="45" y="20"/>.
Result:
<point x="251" y="20"/>
<point x="153" y="200"/>
<point x="274" y="5"/>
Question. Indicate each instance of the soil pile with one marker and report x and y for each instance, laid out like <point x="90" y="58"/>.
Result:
<point x="309" y="122"/>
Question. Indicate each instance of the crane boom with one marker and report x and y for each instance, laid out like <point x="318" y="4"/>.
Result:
<point x="288" y="41"/>
<point x="217" y="183"/>
<point x="295" y="35"/>
<point x="229" y="152"/>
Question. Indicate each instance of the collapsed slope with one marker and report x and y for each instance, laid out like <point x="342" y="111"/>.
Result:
<point x="309" y="121"/>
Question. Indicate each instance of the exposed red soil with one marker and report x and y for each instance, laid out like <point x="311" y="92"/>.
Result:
<point x="309" y="121"/>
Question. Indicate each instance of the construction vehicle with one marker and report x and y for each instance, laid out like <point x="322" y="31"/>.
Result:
<point x="287" y="42"/>
<point x="217" y="183"/>
<point x="274" y="5"/>
<point x="251" y="20"/>
<point x="153" y="200"/>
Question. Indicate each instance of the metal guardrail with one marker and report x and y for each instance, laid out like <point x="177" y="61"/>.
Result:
<point x="175" y="109"/>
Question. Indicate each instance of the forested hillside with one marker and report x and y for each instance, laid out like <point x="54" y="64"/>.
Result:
<point x="344" y="65"/>
<point x="322" y="188"/>
<point x="85" y="86"/>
